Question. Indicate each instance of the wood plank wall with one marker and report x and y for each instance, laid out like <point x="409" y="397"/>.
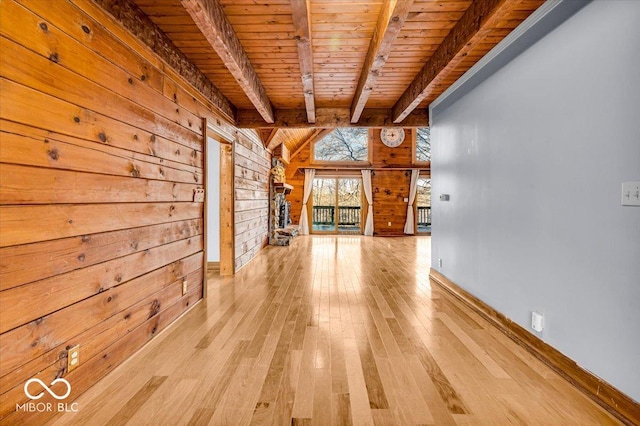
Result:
<point x="101" y="150"/>
<point x="390" y="187"/>
<point x="252" y="164"/>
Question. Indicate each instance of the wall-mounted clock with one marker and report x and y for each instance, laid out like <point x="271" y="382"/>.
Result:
<point x="392" y="136"/>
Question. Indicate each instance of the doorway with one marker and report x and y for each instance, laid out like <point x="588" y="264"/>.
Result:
<point x="219" y="203"/>
<point x="423" y="205"/>
<point x="337" y="205"/>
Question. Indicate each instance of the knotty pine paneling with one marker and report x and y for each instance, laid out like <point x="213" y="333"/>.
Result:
<point x="390" y="187"/>
<point x="251" y="187"/>
<point x="101" y="150"/>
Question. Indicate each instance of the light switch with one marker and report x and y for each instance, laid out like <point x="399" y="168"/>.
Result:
<point x="444" y="197"/>
<point x="631" y="193"/>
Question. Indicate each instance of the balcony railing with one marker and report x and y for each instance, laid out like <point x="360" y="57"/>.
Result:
<point x="424" y="216"/>
<point x="347" y="216"/>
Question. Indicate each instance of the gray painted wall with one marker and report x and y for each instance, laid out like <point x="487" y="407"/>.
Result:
<point x="534" y="158"/>
<point x="213" y="200"/>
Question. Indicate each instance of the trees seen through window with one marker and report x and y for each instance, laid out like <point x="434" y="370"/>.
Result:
<point x="345" y="144"/>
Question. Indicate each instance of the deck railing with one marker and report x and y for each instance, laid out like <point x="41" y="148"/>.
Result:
<point x="424" y="216"/>
<point x="325" y="215"/>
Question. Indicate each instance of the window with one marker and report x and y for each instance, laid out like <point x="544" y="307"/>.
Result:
<point x="349" y="144"/>
<point x="423" y="145"/>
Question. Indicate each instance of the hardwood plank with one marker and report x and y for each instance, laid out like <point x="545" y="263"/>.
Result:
<point x="276" y="352"/>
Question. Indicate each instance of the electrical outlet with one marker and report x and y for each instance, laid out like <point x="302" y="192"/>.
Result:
<point x="184" y="287"/>
<point x="73" y="358"/>
<point x="439" y="263"/>
<point x="537" y="321"/>
<point x="388" y="223"/>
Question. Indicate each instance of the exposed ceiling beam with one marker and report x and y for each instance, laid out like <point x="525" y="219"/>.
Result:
<point x="140" y="25"/>
<point x="212" y="22"/>
<point x="330" y="118"/>
<point x="475" y="25"/>
<point x="315" y="136"/>
<point x="266" y="135"/>
<point x="302" y="26"/>
<point x="390" y="22"/>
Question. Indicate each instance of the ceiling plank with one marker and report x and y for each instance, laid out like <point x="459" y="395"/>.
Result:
<point x="390" y="22"/>
<point x="316" y="136"/>
<point x="266" y="136"/>
<point x="302" y="25"/>
<point x="476" y="23"/>
<point x="212" y="22"/>
<point x="140" y="25"/>
<point x="331" y="118"/>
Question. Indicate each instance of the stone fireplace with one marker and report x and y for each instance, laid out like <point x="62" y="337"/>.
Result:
<point x="280" y="229"/>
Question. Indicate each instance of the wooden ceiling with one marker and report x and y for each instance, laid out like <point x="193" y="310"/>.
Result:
<point x="328" y="63"/>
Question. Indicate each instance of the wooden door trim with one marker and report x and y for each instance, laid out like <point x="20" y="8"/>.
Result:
<point x="227" y="208"/>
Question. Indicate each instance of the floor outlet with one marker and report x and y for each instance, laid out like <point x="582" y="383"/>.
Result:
<point x="73" y="358"/>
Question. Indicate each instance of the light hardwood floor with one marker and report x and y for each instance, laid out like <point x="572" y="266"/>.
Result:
<point x="333" y="330"/>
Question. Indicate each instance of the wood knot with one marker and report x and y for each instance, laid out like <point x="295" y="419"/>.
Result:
<point x="70" y="221"/>
<point x="175" y="97"/>
<point x="189" y="123"/>
<point x="127" y="316"/>
<point x="155" y="307"/>
<point x="35" y="343"/>
<point x="81" y="257"/>
<point x="194" y="153"/>
<point x="118" y="277"/>
<point x="54" y="57"/>
<point x="44" y="27"/>
<point x="102" y="137"/>
<point x="109" y="299"/>
<point x="85" y="238"/>
<point x="152" y="138"/>
<point x="76" y="119"/>
<point x="143" y="77"/>
<point x="134" y="171"/>
<point x="134" y="245"/>
<point x="153" y="331"/>
<point x="161" y="172"/>
<point x="130" y="80"/>
<point x="53" y="154"/>
<point x="135" y="137"/>
<point x="177" y="152"/>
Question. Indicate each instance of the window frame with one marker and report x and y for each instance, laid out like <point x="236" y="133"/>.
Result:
<point x="343" y="164"/>
<point x="414" y="150"/>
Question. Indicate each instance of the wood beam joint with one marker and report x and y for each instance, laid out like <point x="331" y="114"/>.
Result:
<point x="302" y="27"/>
<point x="470" y="30"/>
<point x="212" y="22"/>
<point x="390" y="22"/>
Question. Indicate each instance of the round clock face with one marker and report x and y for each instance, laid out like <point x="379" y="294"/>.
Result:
<point x="392" y="136"/>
